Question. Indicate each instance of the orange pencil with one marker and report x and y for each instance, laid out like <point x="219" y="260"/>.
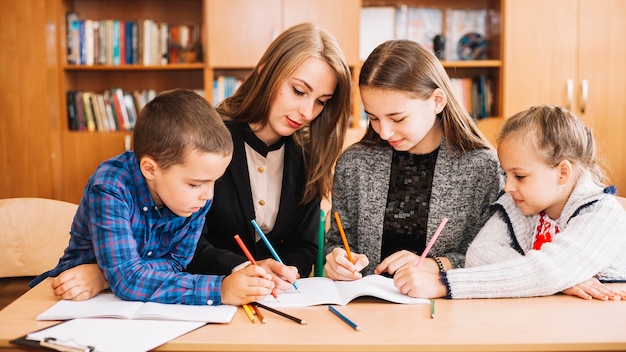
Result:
<point x="343" y="238"/>
<point x="257" y="312"/>
<point x="249" y="256"/>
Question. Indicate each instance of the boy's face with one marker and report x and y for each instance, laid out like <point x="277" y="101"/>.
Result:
<point x="185" y="188"/>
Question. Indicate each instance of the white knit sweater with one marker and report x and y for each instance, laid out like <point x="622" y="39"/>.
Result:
<point x="500" y="261"/>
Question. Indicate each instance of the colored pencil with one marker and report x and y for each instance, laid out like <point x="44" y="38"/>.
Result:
<point x="344" y="318"/>
<point x="257" y="312"/>
<point x="249" y="312"/>
<point x="431" y="242"/>
<point x="343" y="237"/>
<point x="319" y="262"/>
<point x="249" y="256"/>
<point x="432" y="308"/>
<point x="282" y="314"/>
<point x="269" y="246"/>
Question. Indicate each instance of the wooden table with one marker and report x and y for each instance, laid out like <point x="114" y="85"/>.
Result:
<point x="555" y="323"/>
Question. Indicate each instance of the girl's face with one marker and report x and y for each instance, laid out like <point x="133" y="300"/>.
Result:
<point x="533" y="185"/>
<point x="299" y="100"/>
<point x="406" y="123"/>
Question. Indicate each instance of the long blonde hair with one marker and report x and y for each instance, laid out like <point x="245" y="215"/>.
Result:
<point x="406" y="66"/>
<point x="322" y="140"/>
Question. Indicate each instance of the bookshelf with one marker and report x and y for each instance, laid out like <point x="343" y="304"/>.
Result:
<point x="440" y="19"/>
<point x="83" y="151"/>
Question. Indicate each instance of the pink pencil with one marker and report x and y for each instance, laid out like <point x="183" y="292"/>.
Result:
<point x="432" y="241"/>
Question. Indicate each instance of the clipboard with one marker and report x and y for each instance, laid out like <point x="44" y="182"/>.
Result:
<point x="106" y="334"/>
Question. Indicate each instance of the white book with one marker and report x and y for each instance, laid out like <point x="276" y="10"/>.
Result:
<point x="322" y="290"/>
<point x="377" y="25"/>
<point x="107" y="305"/>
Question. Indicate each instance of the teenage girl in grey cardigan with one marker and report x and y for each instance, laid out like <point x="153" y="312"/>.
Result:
<point x="422" y="159"/>
<point x="557" y="225"/>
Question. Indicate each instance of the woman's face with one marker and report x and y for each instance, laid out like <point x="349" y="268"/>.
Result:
<point x="406" y="123"/>
<point x="299" y="100"/>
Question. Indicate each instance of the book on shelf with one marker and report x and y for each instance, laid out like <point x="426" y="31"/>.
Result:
<point x="119" y="42"/>
<point x="419" y="24"/>
<point x="322" y="290"/>
<point x="110" y="110"/>
<point x="377" y="25"/>
<point x="72" y="118"/>
<point x="476" y="95"/>
<point x="107" y="305"/>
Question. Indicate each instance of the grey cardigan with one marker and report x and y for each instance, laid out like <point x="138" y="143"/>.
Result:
<point x="464" y="186"/>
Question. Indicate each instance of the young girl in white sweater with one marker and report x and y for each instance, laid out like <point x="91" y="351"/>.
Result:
<point x="557" y="228"/>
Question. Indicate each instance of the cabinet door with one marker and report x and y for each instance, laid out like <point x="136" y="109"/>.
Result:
<point x="341" y="18"/>
<point x="29" y="128"/>
<point x="83" y="152"/>
<point x="239" y="31"/>
<point x="540" y="48"/>
<point x="602" y="64"/>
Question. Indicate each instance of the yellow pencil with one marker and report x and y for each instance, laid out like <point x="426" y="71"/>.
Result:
<point x="249" y="312"/>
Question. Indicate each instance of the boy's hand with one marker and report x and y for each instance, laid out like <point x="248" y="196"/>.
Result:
<point x="250" y="284"/>
<point x="283" y="276"/>
<point x="592" y="288"/>
<point x="80" y="282"/>
<point x="338" y="267"/>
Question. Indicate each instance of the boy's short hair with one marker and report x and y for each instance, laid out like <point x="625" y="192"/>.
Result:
<point x="175" y="122"/>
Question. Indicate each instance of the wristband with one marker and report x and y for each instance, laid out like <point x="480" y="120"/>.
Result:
<point x="438" y="261"/>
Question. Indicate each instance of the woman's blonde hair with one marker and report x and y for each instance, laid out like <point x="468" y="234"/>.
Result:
<point x="322" y="140"/>
<point x="405" y="65"/>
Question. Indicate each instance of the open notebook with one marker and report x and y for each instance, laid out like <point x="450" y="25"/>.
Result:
<point x="107" y="305"/>
<point x="322" y="290"/>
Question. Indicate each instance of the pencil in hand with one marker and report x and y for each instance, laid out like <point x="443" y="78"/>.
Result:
<point x="250" y="257"/>
<point x="270" y="247"/>
<point x="343" y="238"/>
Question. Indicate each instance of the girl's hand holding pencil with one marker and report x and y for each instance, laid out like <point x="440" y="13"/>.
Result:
<point x="342" y="264"/>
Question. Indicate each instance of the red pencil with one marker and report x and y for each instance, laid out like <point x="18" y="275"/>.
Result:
<point x="249" y="256"/>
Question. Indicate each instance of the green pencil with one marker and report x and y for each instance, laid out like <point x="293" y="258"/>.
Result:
<point x="432" y="308"/>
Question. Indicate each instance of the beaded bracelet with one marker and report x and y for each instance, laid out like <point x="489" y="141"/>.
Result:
<point x="438" y="261"/>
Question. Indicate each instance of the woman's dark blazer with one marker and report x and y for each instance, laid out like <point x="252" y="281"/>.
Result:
<point x="294" y="236"/>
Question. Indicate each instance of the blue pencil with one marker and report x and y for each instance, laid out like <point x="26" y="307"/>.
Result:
<point x="269" y="246"/>
<point x="344" y="318"/>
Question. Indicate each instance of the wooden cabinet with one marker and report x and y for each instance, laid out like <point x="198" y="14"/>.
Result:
<point x="29" y="113"/>
<point x="239" y="31"/>
<point x="571" y="53"/>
